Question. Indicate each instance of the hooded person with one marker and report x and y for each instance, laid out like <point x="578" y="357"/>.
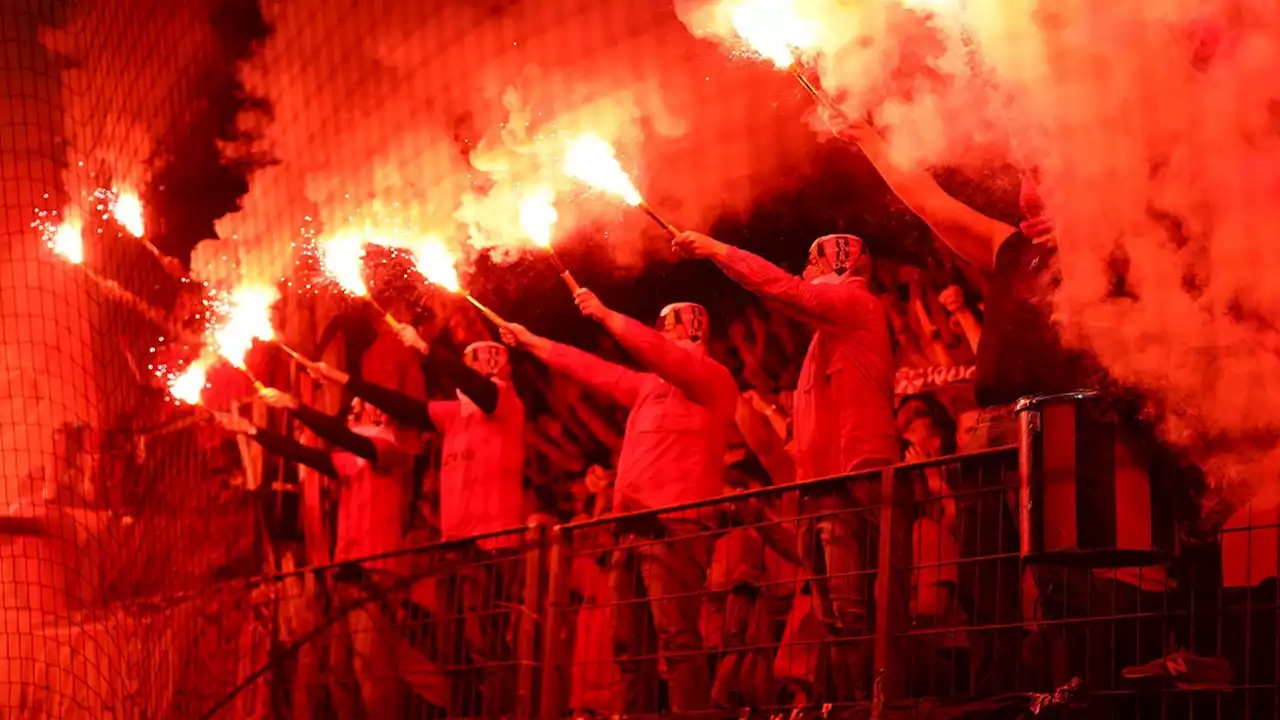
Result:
<point x="481" y="491"/>
<point x="372" y="462"/>
<point x="672" y="452"/>
<point x="843" y="420"/>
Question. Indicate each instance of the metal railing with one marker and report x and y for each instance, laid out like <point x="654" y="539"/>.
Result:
<point x="893" y="590"/>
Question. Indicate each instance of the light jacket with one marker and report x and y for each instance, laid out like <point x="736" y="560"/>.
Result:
<point x="674" y="444"/>
<point x="844" y="398"/>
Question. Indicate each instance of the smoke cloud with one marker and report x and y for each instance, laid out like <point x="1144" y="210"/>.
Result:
<point x="1155" y="128"/>
<point x="411" y="119"/>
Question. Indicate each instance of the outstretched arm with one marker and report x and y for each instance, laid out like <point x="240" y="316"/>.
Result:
<point x="973" y="235"/>
<point x="481" y="390"/>
<point x="315" y="458"/>
<point x="620" y="383"/>
<point x="815" y="304"/>
<point x="287" y="448"/>
<point x="401" y="407"/>
<point x="330" y="428"/>
<point x="700" y="378"/>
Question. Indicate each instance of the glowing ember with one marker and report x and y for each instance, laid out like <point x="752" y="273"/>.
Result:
<point x="127" y="210"/>
<point x="538" y="215"/>
<point x="248" y="317"/>
<point x="435" y="262"/>
<point x="187" y="385"/>
<point x="67" y="242"/>
<point x="774" y="29"/>
<point x="342" y="257"/>
<point x="592" y="161"/>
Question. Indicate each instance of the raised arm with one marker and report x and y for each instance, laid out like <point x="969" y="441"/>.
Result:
<point x="620" y="383"/>
<point x="815" y="304"/>
<point x="479" y="389"/>
<point x="319" y="460"/>
<point x="973" y="235"/>
<point x="695" y="374"/>
<point x="331" y="429"/>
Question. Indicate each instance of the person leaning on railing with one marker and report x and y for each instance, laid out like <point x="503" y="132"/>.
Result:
<point x="672" y="453"/>
<point x="843" y="422"/>
<point x="373" y="463"/>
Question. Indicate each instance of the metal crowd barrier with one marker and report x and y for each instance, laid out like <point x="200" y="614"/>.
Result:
<point x="897" y="591"/>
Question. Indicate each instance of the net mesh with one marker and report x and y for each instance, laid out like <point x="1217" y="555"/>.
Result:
<point x="156" y="157"/>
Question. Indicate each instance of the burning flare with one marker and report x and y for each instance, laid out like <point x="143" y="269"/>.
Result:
<point x="67" y="241"/>
<point x="342" y="258"/>
<point x="127" y="210"/>
<point x="774" y="29"/>
<point x="593" y="161"/>
<point x="538" y="215"/>
<point x="187" y="385"/>
<point x="435" y="261"/>
<point x="248" y="318"/>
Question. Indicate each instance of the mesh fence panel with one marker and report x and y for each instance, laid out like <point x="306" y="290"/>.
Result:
<point x="156" y="157"/>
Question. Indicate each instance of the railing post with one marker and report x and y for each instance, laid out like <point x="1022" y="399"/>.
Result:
<point x="893" y="584"/>
<point x="533" y="610"/>
<point x="557" y="601"/>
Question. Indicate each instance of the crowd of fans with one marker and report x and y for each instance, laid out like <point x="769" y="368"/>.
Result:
<point x="764" y="599"/>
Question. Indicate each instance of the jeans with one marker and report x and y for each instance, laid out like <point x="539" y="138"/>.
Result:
<point x="476" y="632"/>
<point x="373" y="655"/>
<point x="656" y="579"/>
<point x="838" y="544"/>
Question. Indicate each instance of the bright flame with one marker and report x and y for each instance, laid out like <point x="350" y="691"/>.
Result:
<point x="342" y="258"/>
<point x="774" y="29"/>
<point x="187" y="385"/>
<point x="67" y="242"/>
<point x="592" y="160"/>
<point x="248" y="318"/>
<point x="538" y="215"/>
<point x="127" y="210"/>
<point x="435" y="262"/>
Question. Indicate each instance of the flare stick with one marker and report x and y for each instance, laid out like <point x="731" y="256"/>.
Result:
<point x="671" y="229"/>
<point x="817" y="94"/>
<point x="297" y="356"/>
<point x="395" y="324"/>
<point x="565" y="275"/>
<point x="493" y="316"/>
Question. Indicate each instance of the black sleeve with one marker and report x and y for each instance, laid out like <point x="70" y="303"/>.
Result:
<point x="290" y="449"/>
<point x="334" y="430"/>
<point x="399" y="406"/>
<point x="481" y="390"/>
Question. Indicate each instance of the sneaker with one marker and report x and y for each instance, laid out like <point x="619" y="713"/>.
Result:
<point x="1186" y="670"/>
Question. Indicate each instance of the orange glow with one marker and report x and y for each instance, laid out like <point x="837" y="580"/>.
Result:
<point x="774" y="29"/>
<point x="435" y="261"/>
<point x="592" y="160"/>
<point x="67" y="241"/>
<point x="248" y="318"/>
<point x="342" y="258"/>
<point x="187" y="385"/>
<point x="127" y="210"/>
<point x="538" y="215"/>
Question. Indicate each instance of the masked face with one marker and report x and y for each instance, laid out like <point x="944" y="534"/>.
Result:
<point x="684" y="323"/>
<point x="487" y="358"/>
<point x="831" y="257"/>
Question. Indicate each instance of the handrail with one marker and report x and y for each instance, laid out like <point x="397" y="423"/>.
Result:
<point x="871" y="474"/>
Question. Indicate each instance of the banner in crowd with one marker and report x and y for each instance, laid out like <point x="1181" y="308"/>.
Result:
<point x="910" y="380"/>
